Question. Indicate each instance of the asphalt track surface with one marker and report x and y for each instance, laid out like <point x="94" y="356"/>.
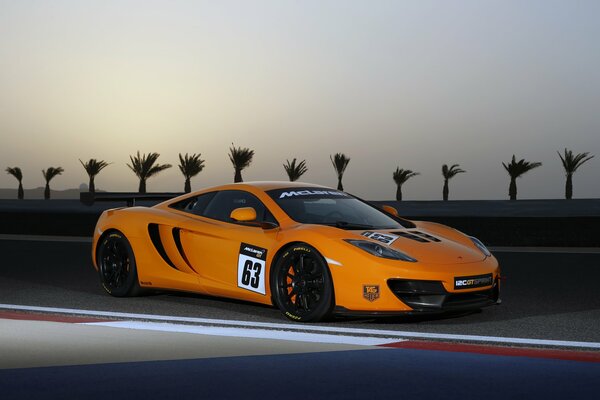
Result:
<point x="546" y="296"/>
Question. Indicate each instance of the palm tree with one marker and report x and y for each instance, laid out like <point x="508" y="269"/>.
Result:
<point x="16" y="172"/>
<point x="190" y="166"/>
<point x="400" y="177"/>
<point x="340" y="162"/>
<point x="49" y="174"/>
<point x="144" y="167"/>
<point x="240" y="158"/>
<point x="571" y="163"/>
<point x="515" y="170"/>
<point x="295" y="171"/>
<point x="93" y="168"/>
<point x="448" y="174"/>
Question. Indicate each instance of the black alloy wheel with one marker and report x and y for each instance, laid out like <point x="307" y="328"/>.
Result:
<point x="116" y="265"/>
<point x="301" y="284"/>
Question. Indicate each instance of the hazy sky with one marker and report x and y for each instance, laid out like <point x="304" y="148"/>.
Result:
<point x="414" y="84"/>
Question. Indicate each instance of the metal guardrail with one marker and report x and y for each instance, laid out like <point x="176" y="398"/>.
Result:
<point x="89" y="198"/>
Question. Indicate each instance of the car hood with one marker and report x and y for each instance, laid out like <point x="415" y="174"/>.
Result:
<point x="425" y="245"/>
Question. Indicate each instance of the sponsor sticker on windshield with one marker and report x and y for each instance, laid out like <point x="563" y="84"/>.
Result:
<point x="294" y="193"/>
<point x="385" y="238"/>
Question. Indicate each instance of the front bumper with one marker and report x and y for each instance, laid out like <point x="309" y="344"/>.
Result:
<point x="354" y="278"/>
<point x="432" y="296"/>
<point x="429" y="298"/>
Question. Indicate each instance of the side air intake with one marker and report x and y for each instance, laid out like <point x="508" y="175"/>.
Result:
<point x="177" y="239"/>
<point x="158" y="245"/>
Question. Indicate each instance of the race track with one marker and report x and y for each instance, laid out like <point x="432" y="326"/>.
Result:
<point x="545" y="295"/>
<point x="62" y="336"/>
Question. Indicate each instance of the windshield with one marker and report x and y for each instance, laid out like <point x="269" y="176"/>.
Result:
<point x="331" y="207"/>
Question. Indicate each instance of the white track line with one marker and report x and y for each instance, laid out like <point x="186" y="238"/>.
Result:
<point x="247" y="333"/>
<point x="311" y="328"/>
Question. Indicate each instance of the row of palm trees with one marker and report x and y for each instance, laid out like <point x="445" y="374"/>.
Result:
<point x="144" y="166"/>
<point x="514" y="168"/>
<point x="48" y="174"/>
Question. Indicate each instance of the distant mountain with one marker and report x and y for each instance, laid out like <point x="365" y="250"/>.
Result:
<point x="38" y="193"/>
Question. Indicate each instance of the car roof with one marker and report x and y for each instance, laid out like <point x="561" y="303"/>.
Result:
<point x="260" y="185"/>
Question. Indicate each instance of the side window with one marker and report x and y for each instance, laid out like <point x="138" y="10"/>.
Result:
<point x="195" y="204"/>
<point x="224" y="202"/>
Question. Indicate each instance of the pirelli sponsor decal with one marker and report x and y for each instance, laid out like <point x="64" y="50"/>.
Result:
<point x="470" y="282"/>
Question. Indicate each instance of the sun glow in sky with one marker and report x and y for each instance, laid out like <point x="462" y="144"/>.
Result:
<point x="414" y="84"/>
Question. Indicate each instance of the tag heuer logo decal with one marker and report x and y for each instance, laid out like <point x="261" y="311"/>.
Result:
<point x="371" y="292"/>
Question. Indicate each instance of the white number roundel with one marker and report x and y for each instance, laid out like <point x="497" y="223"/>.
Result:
<point x="251" y="268"/>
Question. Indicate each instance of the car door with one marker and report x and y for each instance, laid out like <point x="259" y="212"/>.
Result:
<point x="231" y="258"/>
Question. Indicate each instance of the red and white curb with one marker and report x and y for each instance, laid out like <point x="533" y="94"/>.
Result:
<point x="569" y="355"/>
<point x="27" y="316"/>
<point x="245" y="332"/>
<point x="310" y="333"/>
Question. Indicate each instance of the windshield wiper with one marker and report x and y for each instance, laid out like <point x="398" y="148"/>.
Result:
<point x="348" y="225"/>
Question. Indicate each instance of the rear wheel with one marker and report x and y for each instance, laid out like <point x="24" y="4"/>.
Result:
<point x="301" y="284"/>
<point x="116" y="265"/>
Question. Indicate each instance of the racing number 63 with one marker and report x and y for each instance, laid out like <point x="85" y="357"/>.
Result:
<point x="251" y="274"/>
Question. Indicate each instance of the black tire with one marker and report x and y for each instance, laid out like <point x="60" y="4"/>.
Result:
<point x="301" y="284"/>
<point x="116" y="265"/>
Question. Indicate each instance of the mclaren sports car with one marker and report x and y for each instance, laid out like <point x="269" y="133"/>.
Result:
<point x="309" y="250"/>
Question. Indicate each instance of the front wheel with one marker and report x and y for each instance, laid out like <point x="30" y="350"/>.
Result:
<point x="116" y="265"/>
<point x="301" y="284"/>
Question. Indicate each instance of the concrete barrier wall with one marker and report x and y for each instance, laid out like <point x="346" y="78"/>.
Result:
<point x="52" y="217"/>
<point x="569" y="223"/>
<point x="573" y="223"/>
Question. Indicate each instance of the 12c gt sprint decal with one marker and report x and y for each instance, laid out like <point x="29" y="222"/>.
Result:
<point x="251" y="268"/>
<point x="385" y="238"/>
<point x="470" y="282"/>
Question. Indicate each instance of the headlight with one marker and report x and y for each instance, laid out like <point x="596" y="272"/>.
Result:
<point x="480" y="246"/>
<point x="380" y="251"/>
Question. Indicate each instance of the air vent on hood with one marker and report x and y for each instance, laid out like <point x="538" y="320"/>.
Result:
<point x="417" y="236"/>
<point x="427" y="236"/>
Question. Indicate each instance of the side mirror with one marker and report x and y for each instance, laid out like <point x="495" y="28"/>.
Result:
<point x="243" y="214"/>
<point x="390" y="210"/>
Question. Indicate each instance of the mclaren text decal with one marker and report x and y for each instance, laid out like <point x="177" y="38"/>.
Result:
<point x="469" y="282"/>
<point x="251" y="268"/>
<point x="385" y="238"/>
<point x="295" y="193"/>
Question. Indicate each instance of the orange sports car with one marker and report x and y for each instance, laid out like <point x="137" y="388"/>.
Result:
<point x="307" y="249"/>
